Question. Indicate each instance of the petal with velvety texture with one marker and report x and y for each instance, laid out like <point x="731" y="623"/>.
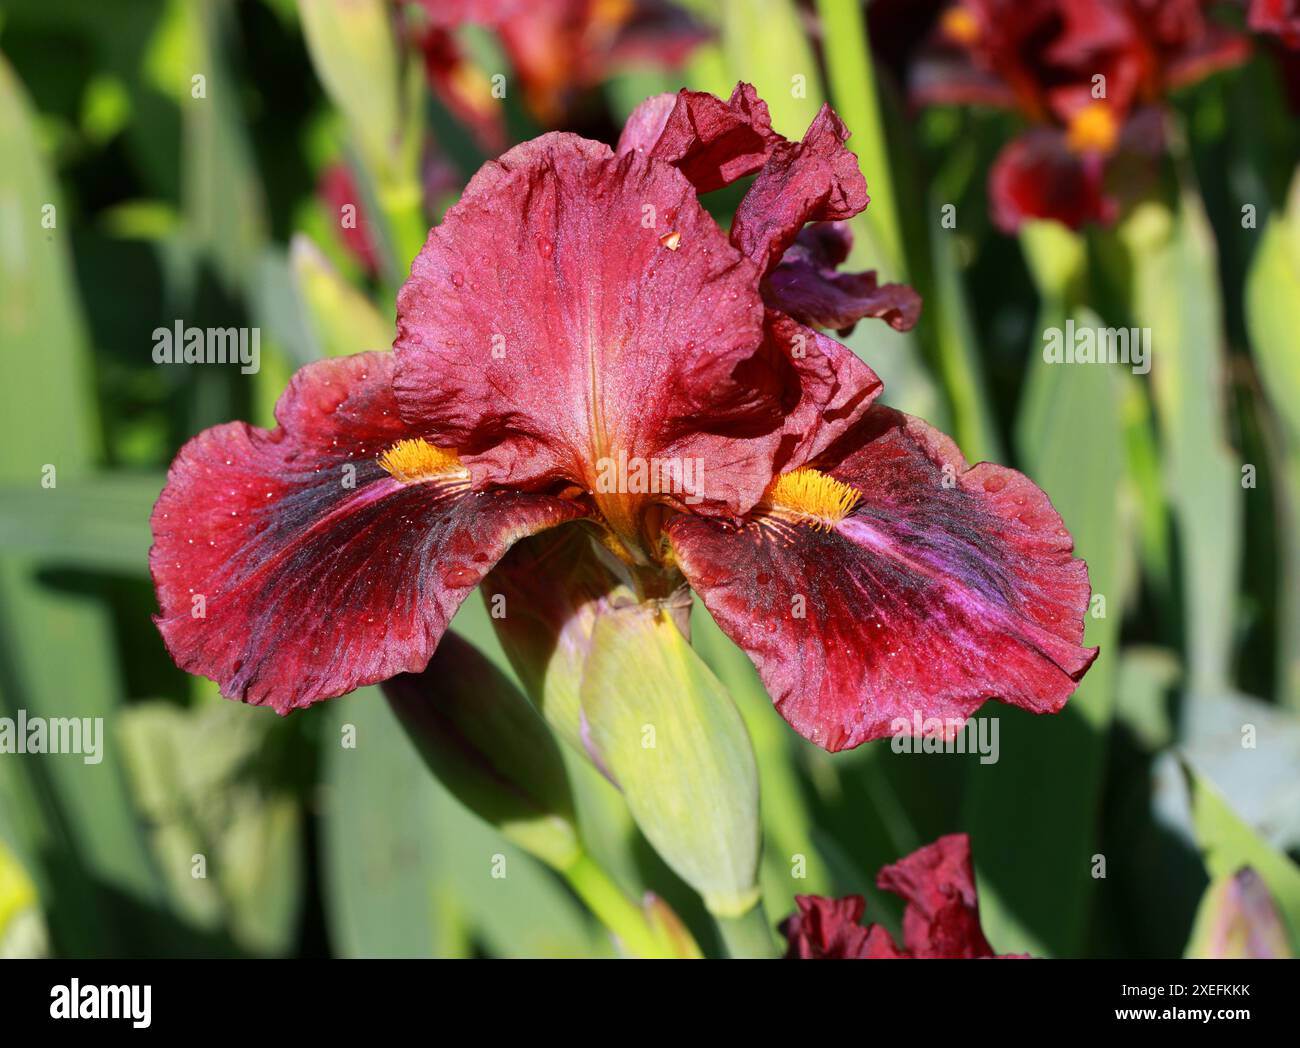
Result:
<point x="825" y="929"/>
<point x="834" y="387"/>
<point x="942" y="586"/>
<point x="318" y="570"/>
<point x="814" y="180"/>
<point x="710" y="141"/>
<point x="576" y="306"/>
<point x="808" y="287"/>
<point x="942" y="917"/>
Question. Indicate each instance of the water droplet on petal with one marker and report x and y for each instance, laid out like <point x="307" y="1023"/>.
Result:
<point x="458" y="577"/>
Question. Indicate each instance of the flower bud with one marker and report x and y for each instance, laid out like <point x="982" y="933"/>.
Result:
<point x="480" y="736"/>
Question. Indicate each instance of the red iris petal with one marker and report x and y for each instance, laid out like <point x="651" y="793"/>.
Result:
<point x="827" y="929"/>
<point x="835" y="387"/>
<point x="575" y="305"/>
<point x="318" y="571"/>
<point x="815" y="180"/>
<point x="942" y="917"/>
<point x="807" y="287"/>
<point x="710" y="141"/>
<point x="943" y="587"/>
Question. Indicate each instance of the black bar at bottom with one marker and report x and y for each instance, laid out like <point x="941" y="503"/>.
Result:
<point x="604" y="999"/>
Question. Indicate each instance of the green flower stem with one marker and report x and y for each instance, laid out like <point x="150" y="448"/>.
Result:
<point x="748" y="935"/>
<point x="613" y="909"/>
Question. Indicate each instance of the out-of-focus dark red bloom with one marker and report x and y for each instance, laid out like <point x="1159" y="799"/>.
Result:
<point x="1087" y="73"/>
<point x="580" y="341"/>
<point x="1281" y="18"/>
<point x="941" y="919"/>
<point x="461" y="86"/>
<point x="338" y="191"/>
<point x="560" y="47"/>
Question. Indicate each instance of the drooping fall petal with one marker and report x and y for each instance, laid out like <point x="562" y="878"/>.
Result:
<point x="291" y="566"/>
<point x="893" y="582"/>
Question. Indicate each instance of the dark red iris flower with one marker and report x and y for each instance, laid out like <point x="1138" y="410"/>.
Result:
<point x="941" y="919"/>
<point x="578" y="316"/>
<point x="1088" y="74"/>
<point x="557" y="48"/>
<point x="1280" y="18"/>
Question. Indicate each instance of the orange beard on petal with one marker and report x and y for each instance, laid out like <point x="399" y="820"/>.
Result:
<point x="416" y="461"/>
<point x="808" y="496"/>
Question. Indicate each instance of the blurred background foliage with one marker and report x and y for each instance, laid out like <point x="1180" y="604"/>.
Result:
<point x="222" y="209"/>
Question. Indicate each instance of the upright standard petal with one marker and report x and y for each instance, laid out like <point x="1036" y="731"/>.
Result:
<point x="576" y="308"/>
<point x="815" y="180"/>
<point x="297" y="564"/>
<point x="894" y="581"/>
<point x="710" y="141"/>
